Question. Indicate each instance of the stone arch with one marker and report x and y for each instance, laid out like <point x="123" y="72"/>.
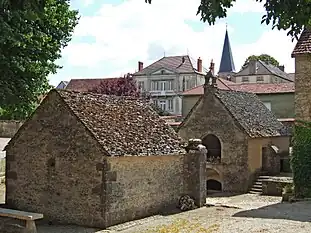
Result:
<point x="213" y="180"/>
<point x="213" y="185"/>
<point x="213" y="146"/>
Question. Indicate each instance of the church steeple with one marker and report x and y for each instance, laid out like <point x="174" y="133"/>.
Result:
<point x="227" y="63"/>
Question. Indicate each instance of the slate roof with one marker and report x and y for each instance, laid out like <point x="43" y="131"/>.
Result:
<point x="264" y="68"/>
<point x="251" y="114"/>
<point x="85" y="85"/>
<point x="173" y="63"/>
<point x="303" y="45"/>
<point x="124" y="126"/>
<point x="226" y="63"/>
<point x="257" y="88"/>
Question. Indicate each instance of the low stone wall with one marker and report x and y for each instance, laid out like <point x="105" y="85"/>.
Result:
<point x="8" y="128"/>
<point x="274" y="186"/>
<point x="138" y="187"/>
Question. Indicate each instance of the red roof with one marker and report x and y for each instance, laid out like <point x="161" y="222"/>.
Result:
<point x="221" y="84"/>
<point x="264" y="88"/>
<point x="86" y="84"/>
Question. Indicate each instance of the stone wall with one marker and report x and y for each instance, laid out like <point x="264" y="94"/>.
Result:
<point x="138" y="187"/>
<point x="274" y="187"/>
<point x="210" y="117"/>
<point x="271" y="161"/>
<point x="303" y="87"/>
<point x="51" y="168"/>
<point x="8" y="128"/>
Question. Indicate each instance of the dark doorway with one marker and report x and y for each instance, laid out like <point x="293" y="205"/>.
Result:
<point x="213" y="185"/>
<point x="213" y="146"/>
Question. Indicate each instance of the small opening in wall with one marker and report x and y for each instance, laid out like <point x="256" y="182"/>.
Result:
<point x="213" y="185"/>
<point x="51" y="162"/>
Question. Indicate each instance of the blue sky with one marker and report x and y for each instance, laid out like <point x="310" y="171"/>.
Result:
<point x="113" y="35"/>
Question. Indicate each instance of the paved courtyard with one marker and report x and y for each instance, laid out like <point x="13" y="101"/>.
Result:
<point x="227" y="214"/>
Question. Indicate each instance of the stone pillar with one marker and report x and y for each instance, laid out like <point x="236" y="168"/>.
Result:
<point x="195" y="171"/>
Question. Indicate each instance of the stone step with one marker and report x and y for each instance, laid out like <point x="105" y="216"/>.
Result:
<point x="258" y="183"/>
<point x="263" y="177"/>
<point x="256" y="189"/>
<point x="259" y="186"/>
<point x="254" y="192"/>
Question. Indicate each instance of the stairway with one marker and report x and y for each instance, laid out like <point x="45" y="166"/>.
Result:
<point x="257" y="186"/>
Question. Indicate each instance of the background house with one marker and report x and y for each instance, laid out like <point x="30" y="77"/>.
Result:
<point x="167" y="78"/>
<point x="98" y="160"/>
<point x="85" y="85"/>
<point x="261" y="72"/>
<point x="277" y="97"/>
<point x="62" y="85"/>
<point x="235" y="127"/>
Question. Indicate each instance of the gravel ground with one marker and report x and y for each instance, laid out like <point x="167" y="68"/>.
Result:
<point x="246" y="213"/>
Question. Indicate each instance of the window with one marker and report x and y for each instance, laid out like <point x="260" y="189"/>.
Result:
<point x="162" y="71"/>
<point x="268" y="105"/>
<point x="162" y="85"/>
<point x="155" y="102"/>
<point x="162" y="104"/>
<point x="141" y="85"/>
<point x="245" y="79"/>
<point x="259" y="79"/>
<point x="170" y="104"/>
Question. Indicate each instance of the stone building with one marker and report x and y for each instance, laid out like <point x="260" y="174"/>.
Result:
<point x="302" y="55"/>
<point x="239" y="133"/>
<point x="98" y="160"/>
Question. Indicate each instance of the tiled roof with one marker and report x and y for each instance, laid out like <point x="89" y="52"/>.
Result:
<point x="86" y="84"/>
<point x="264" y="88"/>
<point x="173" y="63"/>
<point x="303" y="45"/>
<point x="124" y="126"/>
<point x="251" y="114"/>
<point x="199" y="90"/>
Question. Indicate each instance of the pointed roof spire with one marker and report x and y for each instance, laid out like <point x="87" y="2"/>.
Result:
<point x="227" y="63"/>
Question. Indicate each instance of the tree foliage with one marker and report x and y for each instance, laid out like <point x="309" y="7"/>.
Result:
<point x="291" y="15"/>
<point x="301" y="159"/>
<point x="125" y="86"/>
<point x="31" y="40"/>
<point x="263" y="57"/>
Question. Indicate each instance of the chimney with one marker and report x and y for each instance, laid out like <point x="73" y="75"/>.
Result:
<point x="252" y="66"/>
<point x="281" y="68"/>
<point x="140" y="66"/>
<point x="199" y="65"/>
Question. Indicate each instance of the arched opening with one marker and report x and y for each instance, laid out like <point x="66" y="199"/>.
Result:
<point x="213" y="146"/>
<point x="213" y="185"/>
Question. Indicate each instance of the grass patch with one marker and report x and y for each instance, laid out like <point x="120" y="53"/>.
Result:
<point x="183" y="225"/>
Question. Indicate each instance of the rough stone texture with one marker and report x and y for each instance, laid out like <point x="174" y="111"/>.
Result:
<point x="274" y="187"/>
<point x="51" y="167"/>
<point x="9" y="127"/>
<point x="271" y="161"/>
<point x="303" y="87"/>
<point x="211" y="117"/>
<point x="143" y="186"/>
<point x="195" y="173"/>
<point x="123" y="125"/>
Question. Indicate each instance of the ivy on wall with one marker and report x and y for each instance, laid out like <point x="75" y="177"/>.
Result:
<point x="301" y="159"/>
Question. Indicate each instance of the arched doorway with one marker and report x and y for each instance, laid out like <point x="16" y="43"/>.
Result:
<point x="213" y="146"/>
<point x="213" y="185"/>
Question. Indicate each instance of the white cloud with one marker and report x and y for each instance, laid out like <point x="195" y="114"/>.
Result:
<point x="135" y="31"/>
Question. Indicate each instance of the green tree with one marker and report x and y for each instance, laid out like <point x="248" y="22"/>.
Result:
<point x="291" y="15"/>
<point x="30" y="43"/>
<point x="263" y="57"/>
